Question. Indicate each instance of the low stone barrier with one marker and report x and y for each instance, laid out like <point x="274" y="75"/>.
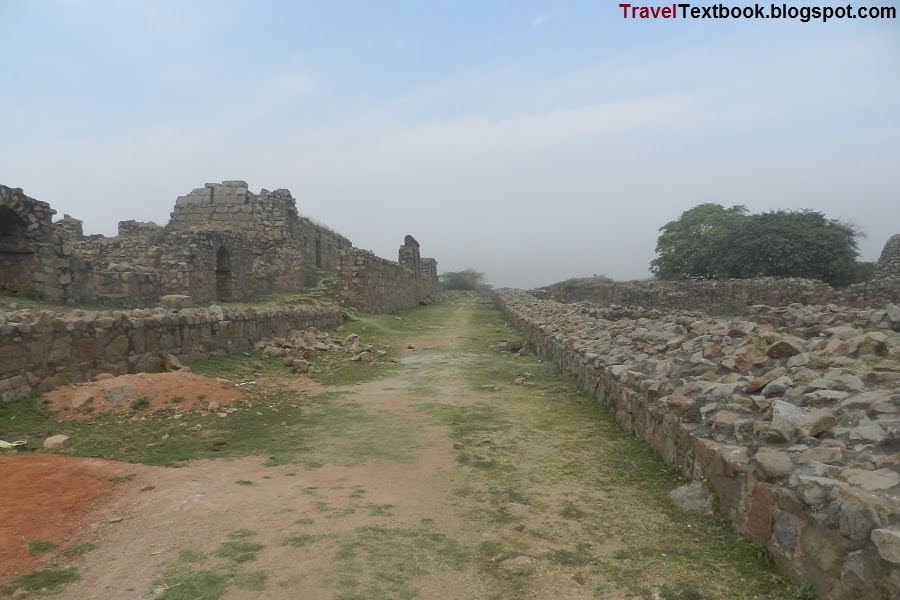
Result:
<point x="725" y="296"/>
<point x="42" y="349"/>
<point x="797" y="436"/>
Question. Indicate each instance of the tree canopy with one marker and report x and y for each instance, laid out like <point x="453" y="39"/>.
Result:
<point x="469" y="279"/>
<point x="710" y="241"/>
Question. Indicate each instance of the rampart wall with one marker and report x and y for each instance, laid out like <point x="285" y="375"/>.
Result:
<point x="382" y="286"/>
<point x="790" y="414"/>
<point x="723" y="297"/>
<point x="43" y="349"/>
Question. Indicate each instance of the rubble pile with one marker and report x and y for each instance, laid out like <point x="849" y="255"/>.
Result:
<point x="299" y="348"/>
<point x="792" y="413"/>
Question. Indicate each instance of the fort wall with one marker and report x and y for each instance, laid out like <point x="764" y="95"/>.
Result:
<point x="42" y="349"/>
<point x="780" y="412"/>
<point x="725" y="296"/>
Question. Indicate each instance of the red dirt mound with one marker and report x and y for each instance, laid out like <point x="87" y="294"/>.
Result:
<point x="46" y="497"/>
<point x="178" y="389"/>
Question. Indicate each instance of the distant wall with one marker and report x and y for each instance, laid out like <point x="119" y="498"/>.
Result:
<point x="222" y="243"/>
<point x="728" y="296"/>
<point x="42" y="349"/>
<point x="378" y="285"/>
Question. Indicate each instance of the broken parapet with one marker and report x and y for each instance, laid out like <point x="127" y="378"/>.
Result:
<point x="792" y="414"/>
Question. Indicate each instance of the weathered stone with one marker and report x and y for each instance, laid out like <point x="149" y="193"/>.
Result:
<point x="777" y="387"/>
<point x="818" y="490"/>
<point x="774" y="465"/>
<point x="120" y="392"/>
<point x="881" y="479"/>
<point x="888" y="543"/>
<point x="176" y="301"/>
<point x="56" y="442"/>
<point x="692" y="497"/>
<point x="783" y="349"/>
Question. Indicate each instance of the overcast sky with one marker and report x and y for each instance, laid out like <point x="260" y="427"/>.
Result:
<point x="534" y="141"/>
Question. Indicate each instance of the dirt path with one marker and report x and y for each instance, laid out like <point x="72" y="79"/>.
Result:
<point x="467" y="473"/>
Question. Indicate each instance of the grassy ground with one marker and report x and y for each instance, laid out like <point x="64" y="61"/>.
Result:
<point x="538" y="469"/>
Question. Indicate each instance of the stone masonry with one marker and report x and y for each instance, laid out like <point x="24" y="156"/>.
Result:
<point x="223" y="242"/>
<point x="791" y="414"/>
<point x="42" y="349"/>
<point x="889" y="263"/>
<point x="378" y="285"/>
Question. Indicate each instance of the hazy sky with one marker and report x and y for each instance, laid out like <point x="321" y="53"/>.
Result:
<point x="534" y="141"/>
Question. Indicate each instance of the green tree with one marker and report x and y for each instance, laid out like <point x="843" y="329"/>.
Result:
<point x="792" y="244"/>
<point x="469" y="279"/>
<point x="690" y="247"/>
<point x="712" y="242"/>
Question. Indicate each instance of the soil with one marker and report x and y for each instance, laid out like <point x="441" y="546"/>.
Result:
<point x="178" y="389"/>
<point x="52" y="498"/>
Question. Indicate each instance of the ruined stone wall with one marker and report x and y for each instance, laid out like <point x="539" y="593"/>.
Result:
<point x="33" y="259"/>
<point x="375" y="284"/>
<point x="223" y="242"/>
<point x="791" y="414"/>
<point x="144" y="229"/>
<point x="42" y="349"/>
<point x="722" y="297"/>
<point x="430" y="273"/>
<point x="889" y="263"/>
<point x="287" y="248"/>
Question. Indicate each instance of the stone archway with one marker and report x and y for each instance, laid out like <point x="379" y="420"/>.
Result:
<point x="17" y="253"/>
<point x="224" y="276"/>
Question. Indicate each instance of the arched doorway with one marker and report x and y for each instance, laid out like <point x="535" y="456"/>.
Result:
<point x="224" y="277"/>
<point x="17" y="253"/>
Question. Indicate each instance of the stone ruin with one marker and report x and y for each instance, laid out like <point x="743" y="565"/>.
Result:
<point x="888" y="264"/>
<point x="222" y="242"/>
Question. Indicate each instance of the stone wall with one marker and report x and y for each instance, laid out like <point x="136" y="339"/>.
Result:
<point x="42" y="349"/>
<point x="33" y="260"/>
<point x="723" y="297"/>
<point x="791" y="414"/>
<point x="375" y="284"/>
<point x="889" y="263"/>
<point x="222" y="243"/>
<point x="287" y="248"/>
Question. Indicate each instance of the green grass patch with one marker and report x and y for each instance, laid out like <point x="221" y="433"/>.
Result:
<point x="191" y="556"/>
<point x="140" y="403"/>
<point x="239" y="534"/>
<point x="381" y="562"/>
<point x="380" y="510"/>
<point x="298" y="541"/>
<point x="38" y="547"/>
<point x="45" y="582"/>
<point x="79" y="550"/>
<point x="180" y="584"/>
<point x="238" y="551"/>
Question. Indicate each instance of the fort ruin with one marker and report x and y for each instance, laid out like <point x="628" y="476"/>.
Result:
<point x="787" y="407"/>
<point x="223" y="242"/>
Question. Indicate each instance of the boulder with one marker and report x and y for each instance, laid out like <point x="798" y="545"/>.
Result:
<point x="56" y="442"/>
